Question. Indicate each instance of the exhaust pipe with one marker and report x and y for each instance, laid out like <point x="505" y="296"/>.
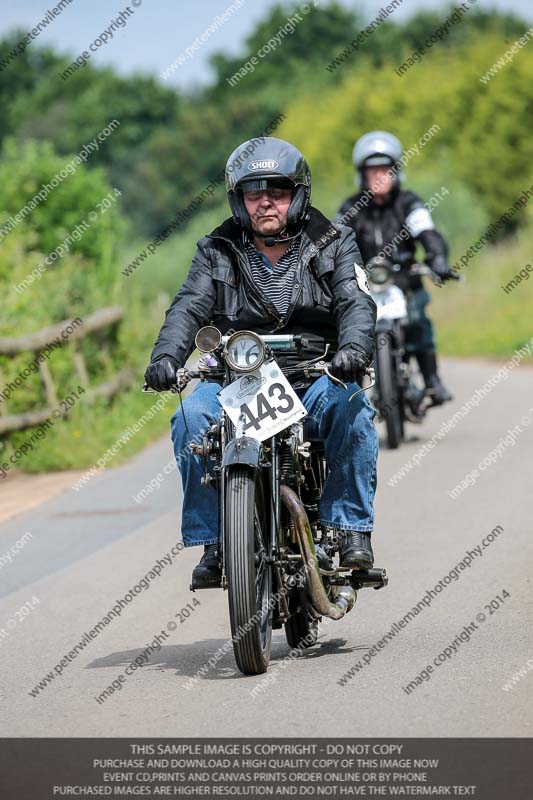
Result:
<point x="345" y="596"/>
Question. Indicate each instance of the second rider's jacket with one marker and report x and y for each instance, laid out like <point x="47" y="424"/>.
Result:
<point x="330" y="298"/>
<point x="393" y="229"/>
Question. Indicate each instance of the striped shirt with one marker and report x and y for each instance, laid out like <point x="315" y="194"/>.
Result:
<point x="275" y="283"/>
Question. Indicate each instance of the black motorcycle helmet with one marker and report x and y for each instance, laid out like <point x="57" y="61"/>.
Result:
<point x="266" y="161"/>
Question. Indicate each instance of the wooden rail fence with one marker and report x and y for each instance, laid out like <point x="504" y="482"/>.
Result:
<point x="36" y="343"/>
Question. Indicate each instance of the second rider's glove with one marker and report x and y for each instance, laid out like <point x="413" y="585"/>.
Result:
<point x="348" y="363"/>
<point x="161" y="374"/>
<point x="442" y="269"/>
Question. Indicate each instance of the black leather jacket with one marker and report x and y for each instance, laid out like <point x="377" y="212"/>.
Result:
<point x="400" y="222"/>
<point x="326" y="301"/>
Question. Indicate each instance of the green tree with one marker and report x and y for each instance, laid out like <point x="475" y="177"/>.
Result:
<point x="83" y="275"/>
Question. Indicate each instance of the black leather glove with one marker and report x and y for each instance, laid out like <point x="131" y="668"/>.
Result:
<point x="348" y="363"/>
<point x="161" y="374"/>
<point x="442" y="269"/>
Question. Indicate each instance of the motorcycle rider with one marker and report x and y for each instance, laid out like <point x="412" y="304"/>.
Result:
<point x="382" y="214"/>
<point x="278" y="265"/>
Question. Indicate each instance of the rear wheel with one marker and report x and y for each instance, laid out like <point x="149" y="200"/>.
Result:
<point x="300" y="629"/>
<point x="390" y="392"/>
<point x="249" y="573"/>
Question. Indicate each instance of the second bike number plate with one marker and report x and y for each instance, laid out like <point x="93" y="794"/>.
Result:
<point x="261" y="403"/>
<point x="390" y="303"/>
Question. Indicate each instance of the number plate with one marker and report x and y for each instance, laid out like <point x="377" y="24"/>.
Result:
<point x="261" y="403"/>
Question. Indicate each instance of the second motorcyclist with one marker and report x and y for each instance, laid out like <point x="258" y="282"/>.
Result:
<point x="383" y="214"/>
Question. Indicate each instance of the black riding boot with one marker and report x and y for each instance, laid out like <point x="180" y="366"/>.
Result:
<point x="355" y="550"/>
<point x="207" y="572"/>
<point x="435" y="389"/>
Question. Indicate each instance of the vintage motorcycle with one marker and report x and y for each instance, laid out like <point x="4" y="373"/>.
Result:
<point x="399" y="393"/>
<point x="276" y="558"/>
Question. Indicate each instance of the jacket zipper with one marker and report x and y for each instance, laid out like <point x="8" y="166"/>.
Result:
<point x="378" y="233"/>
<point x="242" y="261"/>
<point x="241" y="258"/>
<point x="303" y="266"/>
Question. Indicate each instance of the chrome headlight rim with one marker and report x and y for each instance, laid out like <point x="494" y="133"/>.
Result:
<point x="249" y="335"/>
<point x="201" y="340"/>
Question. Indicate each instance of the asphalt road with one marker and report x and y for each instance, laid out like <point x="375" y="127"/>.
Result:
<point x="89" y="548"/>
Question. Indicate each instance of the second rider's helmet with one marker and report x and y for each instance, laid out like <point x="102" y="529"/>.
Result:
<point x="375" y="149"/>
<point x="263" y="162"/>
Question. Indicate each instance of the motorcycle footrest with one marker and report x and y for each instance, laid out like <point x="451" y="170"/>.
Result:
<point x="203" y="583"/>
<point x="375" y="578"/>
<point x="416" y="419"/>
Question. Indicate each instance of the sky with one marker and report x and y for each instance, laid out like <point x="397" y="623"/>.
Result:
<point x="158" y="31"/>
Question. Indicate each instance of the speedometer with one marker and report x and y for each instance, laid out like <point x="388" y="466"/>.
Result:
<point x="244" y="351"/>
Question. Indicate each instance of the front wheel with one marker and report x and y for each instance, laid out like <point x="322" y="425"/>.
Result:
<point x="249" y="573"/>
<point x="390" y="395"/>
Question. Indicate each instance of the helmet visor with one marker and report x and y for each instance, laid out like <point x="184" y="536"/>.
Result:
<point x="378" y="160"/>
<point x="276" y="188"/>
<point x="266" y="183"/>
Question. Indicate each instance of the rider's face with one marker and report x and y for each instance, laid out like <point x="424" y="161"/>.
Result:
<point x="268" y="209"/>
<point x="379" y="180"/>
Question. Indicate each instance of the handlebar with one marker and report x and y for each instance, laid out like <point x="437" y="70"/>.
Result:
<point x="193" y="374"/>
<point x="423" y="269"/>
<point x="311" y="370"/>
<point x="417" y="269"/>
<point x="205" y="372"/>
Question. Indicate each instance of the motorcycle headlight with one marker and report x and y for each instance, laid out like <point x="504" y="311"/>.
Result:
<point x="379" y="275"/>
<point x="244" y="351"/>
<point x="208" y="339"/>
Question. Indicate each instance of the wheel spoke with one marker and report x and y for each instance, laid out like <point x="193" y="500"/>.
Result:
<point x="261" y="578"/>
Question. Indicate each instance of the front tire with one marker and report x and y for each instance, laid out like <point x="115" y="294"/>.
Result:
<point x="249" y="573"/>
<point x="389" y="393"/>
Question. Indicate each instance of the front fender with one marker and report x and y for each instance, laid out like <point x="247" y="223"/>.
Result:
<point x="242" y="451"/>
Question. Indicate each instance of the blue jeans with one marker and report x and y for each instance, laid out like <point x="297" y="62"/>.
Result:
<point x="419" y="336"/>
<point x="351" y="446"/>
